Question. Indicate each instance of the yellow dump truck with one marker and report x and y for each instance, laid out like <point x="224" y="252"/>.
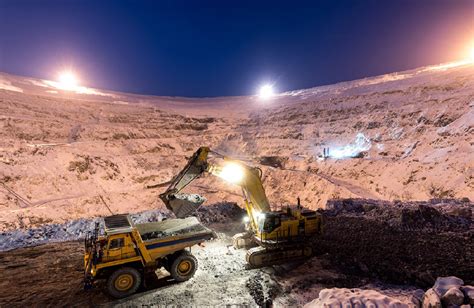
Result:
<point x="123" y="252"/>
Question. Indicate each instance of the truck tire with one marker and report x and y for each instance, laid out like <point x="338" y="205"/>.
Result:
<point x="124" y="282"/>
<point x="183" y="267"/>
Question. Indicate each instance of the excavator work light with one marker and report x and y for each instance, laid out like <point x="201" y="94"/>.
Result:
<point x="232" y="172"/>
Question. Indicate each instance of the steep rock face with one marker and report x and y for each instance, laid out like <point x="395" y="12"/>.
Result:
<point x="78" y="155"/>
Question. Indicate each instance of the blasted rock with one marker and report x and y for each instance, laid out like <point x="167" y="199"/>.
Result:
<point x="417" y="297"/>
<point x="341" y="297"/>
<point x="453" y="297"/>
<point x="468" y="294"/>
<point x="443" y="284"/>
<point x="431" y="299"/>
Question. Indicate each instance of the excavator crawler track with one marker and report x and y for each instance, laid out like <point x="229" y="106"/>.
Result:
<point x="261" y="256"/>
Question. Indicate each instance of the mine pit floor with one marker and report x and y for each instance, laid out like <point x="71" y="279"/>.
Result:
<point x="51" y="274"/>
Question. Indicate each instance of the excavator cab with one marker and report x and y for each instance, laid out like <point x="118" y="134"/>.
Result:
<point x="270" y="222"/>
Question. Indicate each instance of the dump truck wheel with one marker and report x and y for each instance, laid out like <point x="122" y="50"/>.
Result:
<point x="124" y="282"/>
<point x="183" y="267"/>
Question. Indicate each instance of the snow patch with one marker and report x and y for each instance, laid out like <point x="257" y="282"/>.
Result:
<point x="7" y="85"/>
<point x="445" y="66"/>
<point x="79" y="89"/>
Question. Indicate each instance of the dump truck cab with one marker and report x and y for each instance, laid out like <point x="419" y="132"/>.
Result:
<point x="126" y="252"/>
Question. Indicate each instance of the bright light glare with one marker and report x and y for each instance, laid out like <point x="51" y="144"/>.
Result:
<point x="260" y="215"/>
<point x="232" y="172"/>
<point x="246" y="219"/>
<point x="266" y="91"/>
<point x="361" y="144"/>
<point x="472" y="53"/>
<point x="67" y="80"/>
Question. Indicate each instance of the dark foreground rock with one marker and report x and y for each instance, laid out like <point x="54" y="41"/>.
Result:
<point x="401" y="242"/>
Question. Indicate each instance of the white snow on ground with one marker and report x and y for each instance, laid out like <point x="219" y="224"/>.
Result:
<point x="419" y="127"/>
<point x="78" y="89"/>
<point x="446" y="66"/>
<point x="7" y="85"/>
<point x="93" y="156"/>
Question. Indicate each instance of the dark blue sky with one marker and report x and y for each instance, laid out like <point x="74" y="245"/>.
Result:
<point x="213" y="48"/>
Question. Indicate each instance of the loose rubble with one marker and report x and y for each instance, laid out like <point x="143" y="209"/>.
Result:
<point x="448" y="292"/>
<point x="340" y="297"/>
<point x="401" y="242"/>
<point x="69" y="231"/>
<point x="223" y="279"/>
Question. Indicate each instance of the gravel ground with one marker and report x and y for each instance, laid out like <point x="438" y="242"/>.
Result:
<point x="365" y="245"/>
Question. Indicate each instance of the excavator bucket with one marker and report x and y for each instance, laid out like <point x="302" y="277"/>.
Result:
<point x="182" y="205"/>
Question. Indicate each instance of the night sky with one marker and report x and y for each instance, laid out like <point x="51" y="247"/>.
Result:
<point x="215" y="48"/>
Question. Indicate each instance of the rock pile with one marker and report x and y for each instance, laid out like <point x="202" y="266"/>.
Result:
<point x="224" y="212"/>
<point x="446" y="292"/>
<point x="401" y="242"/>
<point x="449" y="292"/>
<point x="342" y="297"/>
<point x="69" y="231"/>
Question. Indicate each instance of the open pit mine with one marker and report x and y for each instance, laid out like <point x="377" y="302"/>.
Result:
<point x="353" y="194"/>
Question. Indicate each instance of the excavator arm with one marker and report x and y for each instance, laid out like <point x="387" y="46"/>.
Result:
<point x="231" y="170"/>
<point x="280" y="235"/>
<point x="184" y="204"/>
<point x="250" y="180"/>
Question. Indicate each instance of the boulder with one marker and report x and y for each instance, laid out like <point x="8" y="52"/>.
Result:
<point x="341" y="297"/>
<point x="443" y="284"/>
<point x="431" y="299"/>
<point x="417" y="297"/>
<point x="453" y="297"/>
<point x="468" y="294"/>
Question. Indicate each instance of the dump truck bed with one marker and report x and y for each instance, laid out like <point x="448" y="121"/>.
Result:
<point x="171" y="227"/>
<point x="170" y="235"/>
<point x="164" y="237"/>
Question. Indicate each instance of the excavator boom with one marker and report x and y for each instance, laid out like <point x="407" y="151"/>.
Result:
<point x="231" y="170"/>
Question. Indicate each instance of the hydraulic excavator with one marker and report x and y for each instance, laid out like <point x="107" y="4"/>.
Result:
<point x="273" y="237"/>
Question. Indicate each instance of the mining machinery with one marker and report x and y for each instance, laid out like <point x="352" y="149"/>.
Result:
<point x="272" y="236"/>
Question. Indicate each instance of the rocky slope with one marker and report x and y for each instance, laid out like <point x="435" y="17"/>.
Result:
<point x="67" y="155"/>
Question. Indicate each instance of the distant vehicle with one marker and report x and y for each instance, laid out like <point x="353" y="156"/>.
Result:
<point x="127" y="251"/>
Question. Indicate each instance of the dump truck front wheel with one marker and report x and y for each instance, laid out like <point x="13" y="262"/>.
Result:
<point x="183" y="267"/>
<point x="124" y="282"/>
